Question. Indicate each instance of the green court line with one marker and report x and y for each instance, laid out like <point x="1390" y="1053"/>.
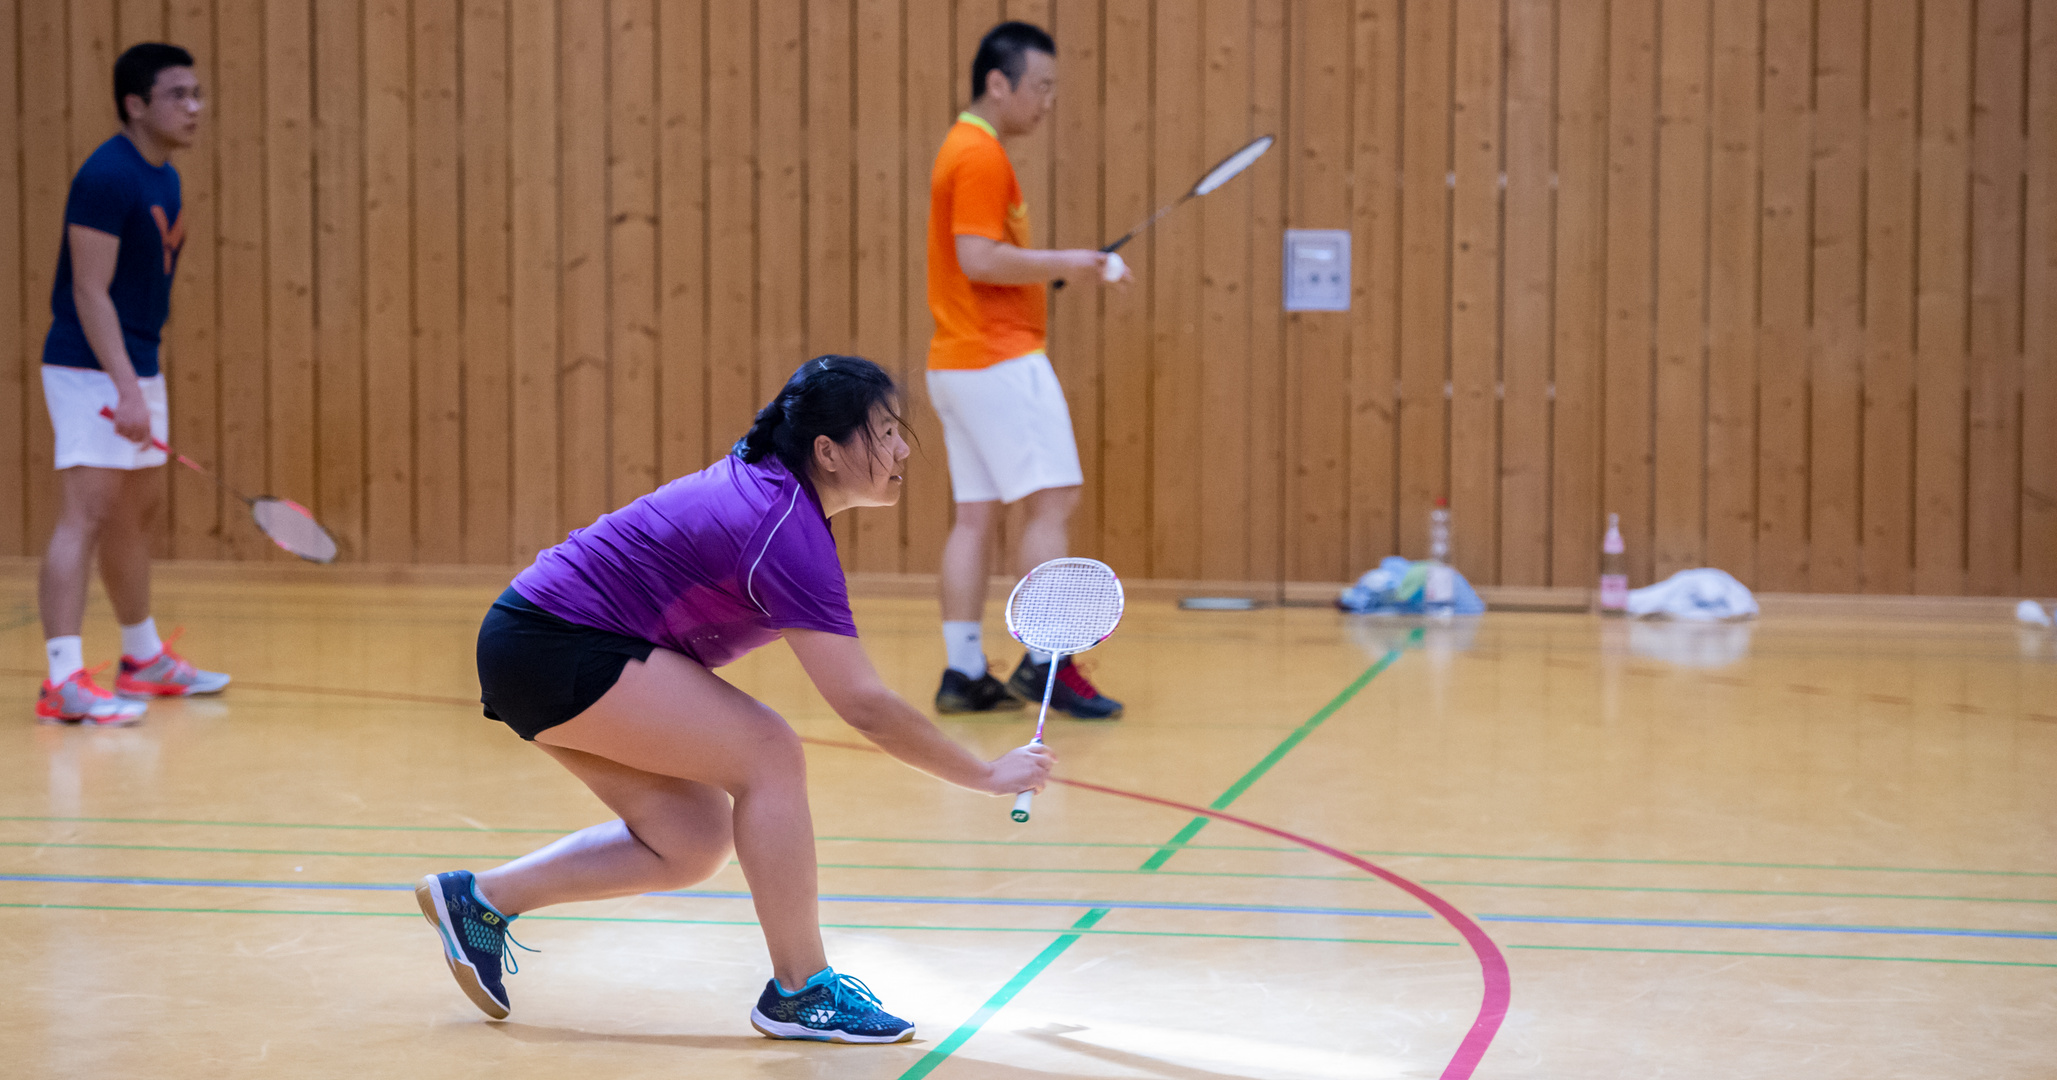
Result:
<point x="1280" y="849"/>
<point x="971" y="1024"/>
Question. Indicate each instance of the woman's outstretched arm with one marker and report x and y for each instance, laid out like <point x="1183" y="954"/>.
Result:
<point x="843" y="673"/>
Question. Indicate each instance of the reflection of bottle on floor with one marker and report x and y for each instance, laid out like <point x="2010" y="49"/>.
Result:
<point x="1439" y="592"/>
<point x="1613" y="570"/>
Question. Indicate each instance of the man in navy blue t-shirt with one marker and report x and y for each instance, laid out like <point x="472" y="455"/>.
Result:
<point x="122" y="235"/>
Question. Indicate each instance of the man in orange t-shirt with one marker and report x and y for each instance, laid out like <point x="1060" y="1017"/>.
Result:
<point x="1005" y="423"/>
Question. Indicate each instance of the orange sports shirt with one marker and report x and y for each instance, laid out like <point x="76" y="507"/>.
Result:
<point x="973" y="193"/>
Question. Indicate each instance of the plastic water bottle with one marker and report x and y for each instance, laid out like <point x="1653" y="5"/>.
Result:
<point x="1613" y="570"/>
<point x="1439" y="592"/>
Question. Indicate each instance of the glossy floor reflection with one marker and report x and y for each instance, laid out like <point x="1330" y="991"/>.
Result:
<point x="1797" y="848"/>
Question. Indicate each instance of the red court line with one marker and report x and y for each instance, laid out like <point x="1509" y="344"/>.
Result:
<point x="1492" y="964"/>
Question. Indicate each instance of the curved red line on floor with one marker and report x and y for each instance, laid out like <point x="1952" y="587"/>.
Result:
<point x="1492" y="964"/>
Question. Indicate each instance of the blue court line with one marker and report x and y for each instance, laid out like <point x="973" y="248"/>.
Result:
<point x="1145" y="905"/>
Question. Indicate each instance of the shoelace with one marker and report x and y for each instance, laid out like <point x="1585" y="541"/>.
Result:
<point x="84" y="677"/>
<point x="179" y="666"/>
<point x="849" y="990"/>
<point x="507" y="961"/>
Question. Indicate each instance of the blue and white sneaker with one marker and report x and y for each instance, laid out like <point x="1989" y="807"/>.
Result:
<point x="475" y="937"/>
<point x="830" y="1008"/>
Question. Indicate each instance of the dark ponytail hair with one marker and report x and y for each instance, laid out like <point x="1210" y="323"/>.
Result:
<point x="830" y="395"/>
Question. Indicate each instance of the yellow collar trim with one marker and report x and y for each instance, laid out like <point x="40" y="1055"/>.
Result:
<point x="968" y="117"/>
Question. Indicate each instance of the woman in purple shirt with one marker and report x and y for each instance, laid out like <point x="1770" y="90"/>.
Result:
<point x="601" y="654"/>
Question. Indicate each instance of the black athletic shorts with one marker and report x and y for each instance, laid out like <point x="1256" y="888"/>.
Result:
<point x="536" y="670"/>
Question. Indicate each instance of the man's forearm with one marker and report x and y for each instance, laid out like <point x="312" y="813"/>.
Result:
<point x="103" y="333"/>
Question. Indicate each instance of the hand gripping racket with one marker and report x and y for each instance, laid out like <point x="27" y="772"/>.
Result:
<point x="1062" y="607"/>
<point x="1216" y="176"/>
<point x="287" y="523"/>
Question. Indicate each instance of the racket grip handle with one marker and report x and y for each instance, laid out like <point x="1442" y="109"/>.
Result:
<point x="155" y="442"/>
<point x="1021" y="805"/>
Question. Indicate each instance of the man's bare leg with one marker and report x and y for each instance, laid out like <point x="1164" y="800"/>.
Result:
<point x="87" y="497"/>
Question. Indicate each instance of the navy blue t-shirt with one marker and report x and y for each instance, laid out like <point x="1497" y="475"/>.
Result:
<point x="118" y="192"/>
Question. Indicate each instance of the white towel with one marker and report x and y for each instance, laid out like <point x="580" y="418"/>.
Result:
<point x="1705" y="594"/>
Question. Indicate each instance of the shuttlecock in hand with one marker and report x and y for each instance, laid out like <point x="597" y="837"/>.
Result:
<point x="1113" y="268"/>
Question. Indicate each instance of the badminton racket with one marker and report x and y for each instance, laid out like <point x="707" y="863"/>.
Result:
<point x="289" y="525"/>
<point x="1063" y="608"/>
<point x="1216" y="176"/>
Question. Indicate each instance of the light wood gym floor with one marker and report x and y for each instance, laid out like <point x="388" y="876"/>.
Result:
<point x="1805" y="848"/>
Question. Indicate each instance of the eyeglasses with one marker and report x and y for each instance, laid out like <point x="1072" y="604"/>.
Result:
<point x="182" y="95"/>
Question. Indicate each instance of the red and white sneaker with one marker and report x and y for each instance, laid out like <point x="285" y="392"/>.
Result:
<point x="167" y="675"/>
<point x="79" y="700"/>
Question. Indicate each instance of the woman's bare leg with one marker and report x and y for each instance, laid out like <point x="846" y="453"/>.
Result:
<point x="671" y="717"/>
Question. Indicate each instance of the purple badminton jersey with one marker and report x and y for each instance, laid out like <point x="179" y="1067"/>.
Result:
<point x="711" y="565"/>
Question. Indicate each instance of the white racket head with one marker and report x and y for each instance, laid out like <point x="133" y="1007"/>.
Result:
<point x="1065" y="606"/>
<point x="293" y="528"/>
<point x="1235" y="163"/>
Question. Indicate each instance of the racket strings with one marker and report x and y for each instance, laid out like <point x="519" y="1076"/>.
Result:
<point x="1065" y="606"/>
<point x="292" y="528"/>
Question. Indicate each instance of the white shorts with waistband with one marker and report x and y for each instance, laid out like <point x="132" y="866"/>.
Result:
<point x="75" y="397"/>
<point x="1006" y="429"/>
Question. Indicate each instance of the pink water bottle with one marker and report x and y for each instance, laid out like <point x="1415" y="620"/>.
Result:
<point x="1613" y="570"/>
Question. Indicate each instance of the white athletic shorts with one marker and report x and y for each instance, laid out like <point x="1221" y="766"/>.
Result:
<point x="75" y="397"/>
<point x="1006" y="429"/>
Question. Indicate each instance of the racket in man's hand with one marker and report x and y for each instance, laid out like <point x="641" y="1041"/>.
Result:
<point x="289" y="525"/>
<point x="1063" y="608"/>
<point x="1216" y="176"/>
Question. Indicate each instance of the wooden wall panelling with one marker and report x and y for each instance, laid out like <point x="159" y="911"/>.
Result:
<point x="1626" y="387"/>
<point x="1424" y="277"/>
<point x="1993" y="471"/>
<point x="1579" y="315"/>
<point x="339" y="273"/>
<point x="1783" y="309"/>
<point x="586" y="362"/>
<point x="1834" y="443"/>
<point x="879" y="244"/>
<point x="1375" y="120"/>
<point x="1887" y="420"/>
<point x="89" y="66"/>
<point x="1524" y="476"/>
<point x="46" y="172"/>
<point x="1123" y="480"/>
<point x="1074" y="216"/>
<point x="438" y="328"/>
<point x="1679" y="468"/>
<point x="1734" y="228"/>
<point x="388" y="263"/>
<point x="632" y="249"/>
<point x="830" y="124"/>
<point x="1269" y="94"/>
<point x="926" y="78"/>
<point x="1477" y="162"/>
<point x="485" y="353"/>
<point x="782" y="256"/>
<point x="684" y="444"/>
<point x="731" y="242"/>
<point x="533" y="250"/>
<point x="238" y="107"/>
<point x="2039" y="305"/>
<point x="1318" y="342"/>
<point x="17" y="363"/>
<point x="289" y="232"/>
<point x="1222" y="364"/>
<point x="1941" y="316"/>
<point x="1177" y="365"/>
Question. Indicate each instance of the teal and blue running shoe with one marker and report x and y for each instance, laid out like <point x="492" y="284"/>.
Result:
<point x="475" y="937"/>
<point x="830" y="1008"/>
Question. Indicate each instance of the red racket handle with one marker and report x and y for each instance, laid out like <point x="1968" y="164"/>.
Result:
<point x="158" y="444"/>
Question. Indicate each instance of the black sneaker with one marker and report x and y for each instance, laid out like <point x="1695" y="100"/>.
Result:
<point x="1073" y="695"/>
<point x="961" y="694"/>
<point x="830" y="1008"/>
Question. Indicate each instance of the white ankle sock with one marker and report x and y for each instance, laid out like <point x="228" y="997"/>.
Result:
<point x="140" y="642"/>
<point x="966" y="645"/>
<point x="66" y="655"/>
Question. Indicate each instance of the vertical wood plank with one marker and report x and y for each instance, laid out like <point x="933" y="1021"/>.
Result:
<point x="926" y="78"/>
<point x="1319" y="342"/>
<point x="1174" y="287"/>
<point x="1941" y="316"/>
<point x="46" y="180"/>
<point x="1833" y="442"/>
<point x="586" y="367"/>
<point x="339" y="310"/>
<point x="137" y="21"/>
<point x="1269" y="67"/>
<point x="1125" y="465"/>
<point x="1887" y="563"/>
<point x="438" y="330"/>
<point x="289" y="250"/>
<point x="1679" y="441"/>
<point x="732" y="269"/>
<point x="2039" y="299"/>
<point x="389" y="285"/>
<point x="15" y="364"/>
<point x="1583" y="71"/>
<point x="1524" y="476"/>
<point x="830" y="175"/>
<point x="90" y="57"/>
<point x="1424" y="276"/>
<point x="486" y="421"/>
<point x="781" y="204"/>
<point x="237" y="106"/>
<point x="1993" y="465"/>
<point x="683" y="444"/>
<point x="1783" y="339"/>
<point x="632" y="249"/>
<point x="1476" y="164"/>
<point x="1626" y="380"/>
<point x="1733" y="230"/>
<point x="1221" y="426"/>
<point x="534" y="247"/>
<point x="880" y="242"/>
<point x="1074" y="217"/>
